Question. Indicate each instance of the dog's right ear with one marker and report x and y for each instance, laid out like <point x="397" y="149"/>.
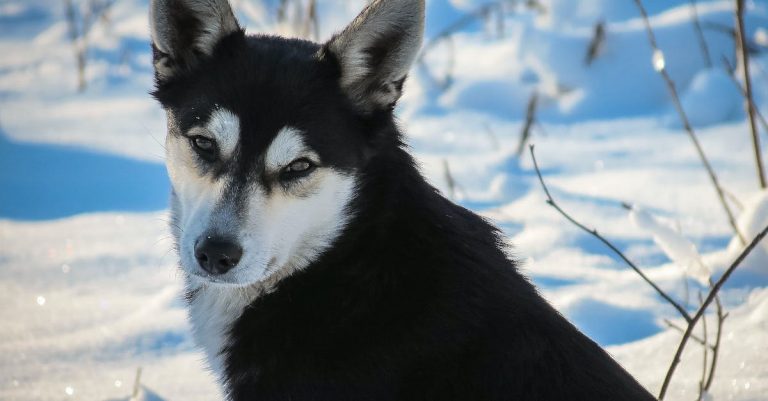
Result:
<point x="184" y="31"/>
<point x="376" y="50"/>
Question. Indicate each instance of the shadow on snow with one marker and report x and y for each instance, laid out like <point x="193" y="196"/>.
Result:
<point x="50" y="181"/>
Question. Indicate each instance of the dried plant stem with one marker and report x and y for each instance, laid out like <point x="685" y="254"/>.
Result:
<point x="716" y="348"/>
<point x="700" y="312"/>
<point x="602" y="239"/>
<point x="596" y="45"/>
<point x="530" y="120"/>
<point x="687" y="125"/>
<point x="700" y="35"/>
<point x="731" y="70"/>
<point x="449" y="180"/>
<point x="137" y="384"/>
<point x="76" y="36"/>
<point x="481" y="12"/>
<point x="704" y="365"/>
<point x="691" y="320"/>
<point x="694" y="337"/>
<point x="743" y="55"/>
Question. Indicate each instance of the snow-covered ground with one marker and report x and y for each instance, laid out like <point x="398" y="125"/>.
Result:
<point x="88" y="281"/>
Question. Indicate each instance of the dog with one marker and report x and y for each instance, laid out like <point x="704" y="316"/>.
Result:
<point x="319" y="264"/>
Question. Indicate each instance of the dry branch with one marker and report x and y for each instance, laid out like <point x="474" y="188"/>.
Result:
<point x="449" y="180"/>
<point x="731" y="70"/>
<point x="700" y="312"/>
<point x="705" y="356"/>
<point x="602" y="239"/>
<point x="694" y="337"/>
<point x="480" y="13"/>
<point x="716" y="348"/>
<point x="743" y="57"/>
<point x="530" y="120"/>
<point x="686" y="123"/>
<point x="596" y="44"/>
<point x="700" y="35"/>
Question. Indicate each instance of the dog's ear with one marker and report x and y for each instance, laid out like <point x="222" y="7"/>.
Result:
<point x="376" y="51"/>
<point x="183" y="31"/>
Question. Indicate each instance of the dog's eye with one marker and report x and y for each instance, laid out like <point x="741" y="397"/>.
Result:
<point x="297" y="169"/>
<point x="205" y="147"/>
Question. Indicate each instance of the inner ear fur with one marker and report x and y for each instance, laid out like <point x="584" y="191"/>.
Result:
<point x="376" y="51"/>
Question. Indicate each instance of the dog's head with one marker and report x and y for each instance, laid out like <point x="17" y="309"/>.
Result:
<point x="267" y="136"/>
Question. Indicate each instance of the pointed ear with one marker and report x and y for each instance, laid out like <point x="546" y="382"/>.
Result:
<point x="376" y="51"/>
<point x="183" y="31"/>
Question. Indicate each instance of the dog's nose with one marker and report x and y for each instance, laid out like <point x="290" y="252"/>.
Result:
<point x="217" y="255"/>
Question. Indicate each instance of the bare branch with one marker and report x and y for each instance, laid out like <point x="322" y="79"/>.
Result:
<point x="75" y="36"/>
<point x="530" y="120"/>
<point x="743" y="57"/>
<point x="602" y="239"/>
<point x="449" y="180"/>
<point x="706" y="354"/>
<point x="137" y="384"/>
<point x="687" y="125"/>
<point x="694" y="337"/>
<point x="708" y="300"/>
<point x="480" y="13"/>
<point x="716" y="348"/>
<point x="596" y="44"/>
<point x="731" y="70"/>
<point x="700" y="35"/>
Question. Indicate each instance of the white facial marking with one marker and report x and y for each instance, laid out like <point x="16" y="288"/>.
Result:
<point x="283" y="228"/>
<point x="293" y="223"/>
<point x="225" y="127"/>
<point x="287" y="146"/>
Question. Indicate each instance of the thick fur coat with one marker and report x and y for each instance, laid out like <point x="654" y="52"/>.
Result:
<point x="380" y="289"/>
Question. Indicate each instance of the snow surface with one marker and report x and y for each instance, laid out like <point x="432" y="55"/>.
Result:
<point x="87" y="273"/>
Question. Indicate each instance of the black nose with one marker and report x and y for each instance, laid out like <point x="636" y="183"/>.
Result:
<point x="217" y="255"/>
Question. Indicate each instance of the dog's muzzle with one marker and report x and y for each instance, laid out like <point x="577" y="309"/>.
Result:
<point x="217" y="255"/>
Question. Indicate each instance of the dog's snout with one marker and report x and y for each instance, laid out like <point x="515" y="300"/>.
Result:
<point x="217" y="255"/>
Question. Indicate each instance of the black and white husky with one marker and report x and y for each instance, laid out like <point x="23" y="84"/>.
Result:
<point x="319" y="263"/>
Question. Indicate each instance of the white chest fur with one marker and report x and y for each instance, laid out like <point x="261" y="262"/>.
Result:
<point x="212" y="311"/>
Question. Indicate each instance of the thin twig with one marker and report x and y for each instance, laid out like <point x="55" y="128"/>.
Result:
<point x="731" y="70"/>
<point x="481" y="13"/>
<point x="596" y="44"/>
<point x="694" y="337"/>
<point x="530" y="120"/>
<point x="447" y="80"/>
<point x="602" y="239"/>
<point x="743" y="54"/>
<point x="76" y="36"/>
<point x="706" y="355"/>
<point x="687" y="124"/>
<point x="491" y="136"/>
<point x="311" y="24"/>
<point x="700" y="35"/>
<point x="716" y="348"/>
<point x="449" y="179"/>
<point x="137" y="384"/>
<point x="719" y="28"/>
<point x="708" y="300"/>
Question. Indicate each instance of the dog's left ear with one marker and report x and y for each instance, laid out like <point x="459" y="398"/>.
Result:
<point x="376" y="51"/>
<point x="185" y="31"/>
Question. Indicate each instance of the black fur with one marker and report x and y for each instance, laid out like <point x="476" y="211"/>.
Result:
<point x="416" y="300"/>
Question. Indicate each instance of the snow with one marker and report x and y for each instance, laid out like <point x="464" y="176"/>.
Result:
<point x="679" y="249"/>
<point x="87" y="269"/>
